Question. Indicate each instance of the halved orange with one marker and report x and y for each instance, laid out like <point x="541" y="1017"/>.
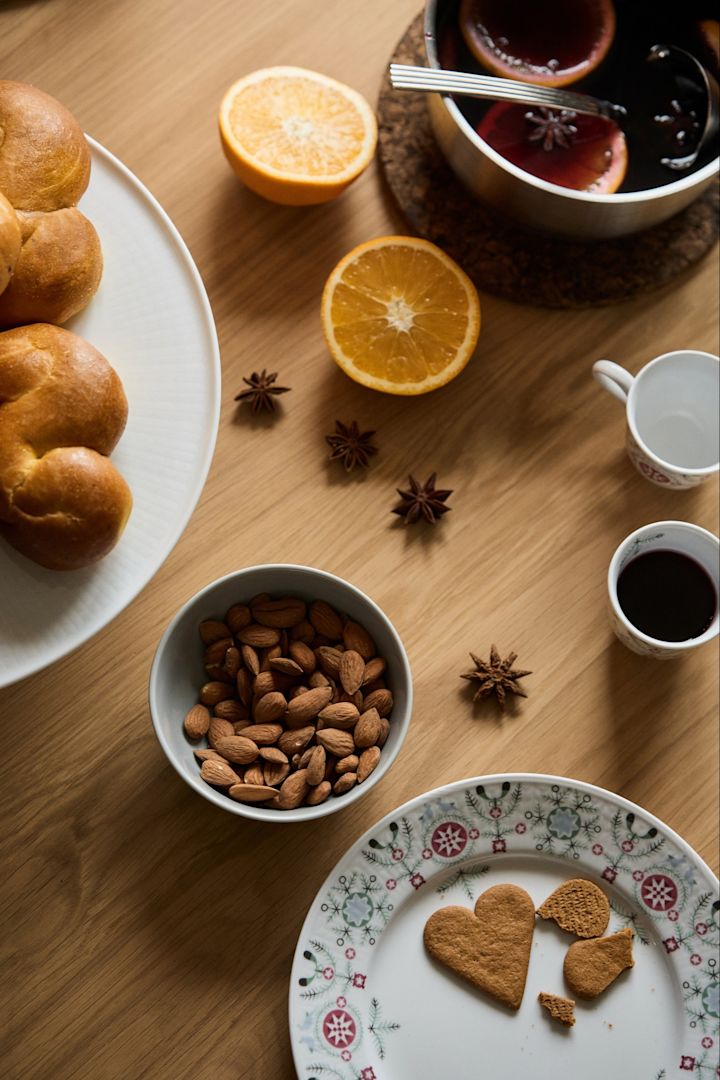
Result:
<point x="295" y="136"/>
<point x="400" y="316"/>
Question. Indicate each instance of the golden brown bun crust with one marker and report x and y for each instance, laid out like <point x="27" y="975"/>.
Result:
<point x="62" y="410"/>
<point x="57" y="272"/>
<point x="44" y="157"/>
<point x="10" y="240"/>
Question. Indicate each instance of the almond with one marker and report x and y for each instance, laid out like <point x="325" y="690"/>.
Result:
<point x="232" y="662"/>
<point x="237" y="617"/>
<point x="274" y="772"/>
<point x="237" y="748"/>
<point x="283" y="613"/>
<point x="344" y="783"/>
<point x="272" y="753"/>
<point x="368" y="763"/>
<point x="367" y="729"/>
<point x="204" y="755"/>
<point x="373" y="670"/>
<point x="252" y="793"/>
<point x="297" y="691"/>
<point x="325" y="619"/>
<point x="304" y="631"/>
<point x="197" y="722"/>
<point x="384" y="731"/>
<point x="329" y="660"/>
<point x="212" y="692"/>
<point x="263" y="734"/>
<point x="303" y="759"/>
<point x="240" y="725"/>
<point x="268" y="681"/>
<point x="214" y="630"/>
<point x="243" y="683"/>
<point x="343" y="715"/>
<point x="219" y="729"/>
<point x="357" y="638"/>
<point x="351" y="671"/>
<point x="268" y="656"/>
<point x="231" y="710"/>
<point x="382" y="700"/>
<point x="254" y="774"/>
<point x="316" y="766"/>
<point x="347" y="764"/>
<point x="318" y="679"/>
<point x="286" y="665"/>
<point x="292" y="742"/>
<point x="319" y="794"/>
<point x="293" y="790"/>
<point x="306" y="706"/>
<point x="269" y="708"/>
<point x="303" y="656"/>
<point x="250" y="659"/>
<point x="215" y="653"/>
<point x="259" y="637"/>
<point x="218" y="773"/>
<point x="336" y="741"/>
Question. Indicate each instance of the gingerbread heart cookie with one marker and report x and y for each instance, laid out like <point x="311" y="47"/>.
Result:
<point x="489" y="948"/>
<point x="590" y="966"/>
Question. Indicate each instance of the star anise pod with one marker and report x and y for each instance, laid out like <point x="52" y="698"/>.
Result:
<point x="422" y="500"/>
<point x="351" y="445"/>
<point x="261" y="392"/>
<point x="552" y="128"/>
<point x="496" y="676"/>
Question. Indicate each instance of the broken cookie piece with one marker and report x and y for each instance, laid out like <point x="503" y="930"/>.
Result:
<point x="560" y="1008"/>
<point x="591" y="966"/>
<point x="579" y="907"/>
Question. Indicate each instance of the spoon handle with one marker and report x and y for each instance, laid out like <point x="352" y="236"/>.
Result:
<point x="409" y="77"/>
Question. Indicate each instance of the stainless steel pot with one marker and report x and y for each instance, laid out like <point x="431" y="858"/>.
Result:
<point x="547" y="207"/>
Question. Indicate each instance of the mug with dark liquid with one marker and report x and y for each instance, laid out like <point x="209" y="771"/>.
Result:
<point x="663" y="589"/>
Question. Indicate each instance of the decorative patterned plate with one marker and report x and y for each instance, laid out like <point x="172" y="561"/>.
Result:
<point x="367" y="1003"/>
<point x="152" y="320"/>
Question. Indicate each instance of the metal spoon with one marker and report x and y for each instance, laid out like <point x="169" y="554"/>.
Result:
<point x="697" y="74"/>
<point x="409" y="77"/>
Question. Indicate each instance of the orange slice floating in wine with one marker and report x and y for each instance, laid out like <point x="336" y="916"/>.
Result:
<point x="555" y="43"/>
<point x="586" y="153"/>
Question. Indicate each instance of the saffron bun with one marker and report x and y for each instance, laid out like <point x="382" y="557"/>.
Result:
<point x="55" y="270"/>
<point x="63" y="503"/>
<point x="44" y="155"/>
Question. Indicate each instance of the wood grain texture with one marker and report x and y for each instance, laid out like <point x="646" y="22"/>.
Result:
<point x="148" y="934"/>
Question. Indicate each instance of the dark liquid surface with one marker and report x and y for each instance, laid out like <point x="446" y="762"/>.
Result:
<point x="667" y="595"/>
<point x="664" y="107"/>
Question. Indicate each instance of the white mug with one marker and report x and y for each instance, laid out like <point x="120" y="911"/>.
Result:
<point x="673" y="436"/>
<point x="700" y="545"/>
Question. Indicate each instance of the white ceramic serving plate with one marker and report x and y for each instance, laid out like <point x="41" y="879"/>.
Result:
<point x="367" y="1002"/>
<point x="177" y="674"/>
<point x="152" y="320"/>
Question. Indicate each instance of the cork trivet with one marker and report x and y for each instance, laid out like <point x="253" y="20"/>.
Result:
<point x="500" y="256"/>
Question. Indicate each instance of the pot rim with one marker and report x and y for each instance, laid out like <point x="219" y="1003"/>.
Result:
<point x="698" y="178"/>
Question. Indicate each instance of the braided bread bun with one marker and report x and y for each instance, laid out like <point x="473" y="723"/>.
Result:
<point x="57" y="271"/>
<point x="44" y="157"/>
<point x="44" y="169"/>
<point x="62" y="410"/>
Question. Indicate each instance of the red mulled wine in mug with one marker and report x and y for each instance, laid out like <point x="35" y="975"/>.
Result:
<point x="667" y="595"/>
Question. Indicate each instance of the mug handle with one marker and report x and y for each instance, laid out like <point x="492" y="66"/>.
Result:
<point x="614" y="378"/>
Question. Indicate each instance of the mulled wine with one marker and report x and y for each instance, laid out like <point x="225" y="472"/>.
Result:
<point x="554" y="42"/>
<point x="667" y="595"/>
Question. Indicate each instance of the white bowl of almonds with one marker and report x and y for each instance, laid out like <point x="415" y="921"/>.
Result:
<point x="281" y="693"/>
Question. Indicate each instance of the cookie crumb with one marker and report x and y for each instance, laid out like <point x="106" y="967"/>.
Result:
<point x="559" y="1008"/>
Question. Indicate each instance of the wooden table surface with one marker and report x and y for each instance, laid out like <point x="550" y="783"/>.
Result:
<point x="147" y="933"/>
